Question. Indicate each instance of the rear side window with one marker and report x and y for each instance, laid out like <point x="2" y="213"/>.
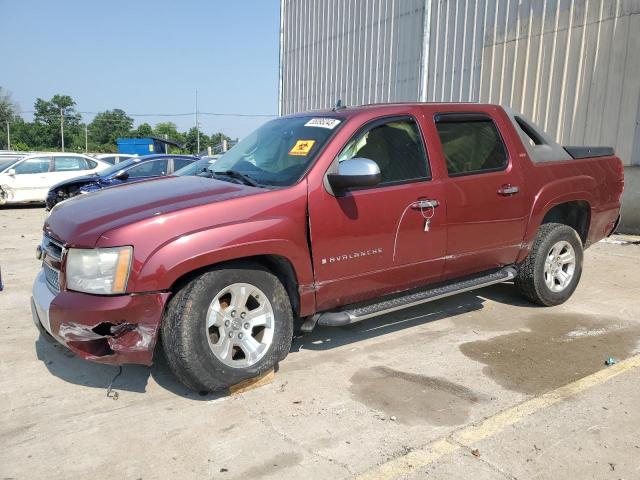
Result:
<point x="155" y="168"/>
<point x="471" y="144"/>
<point x="69" y="164"/>
<point x="111" y="160"/>
<point x="179" y="163"/>
<point x="396" y="146"/>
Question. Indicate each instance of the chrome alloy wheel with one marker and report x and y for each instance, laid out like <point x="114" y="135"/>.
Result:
<point x="559" y="266"/>
<point x="240" y="325"/>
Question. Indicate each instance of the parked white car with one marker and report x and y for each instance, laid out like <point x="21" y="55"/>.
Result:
<point x="29" y="178"/>
<point x="113" y="158"/>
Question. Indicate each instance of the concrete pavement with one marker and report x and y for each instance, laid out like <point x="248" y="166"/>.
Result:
<point x="345" y="402"/>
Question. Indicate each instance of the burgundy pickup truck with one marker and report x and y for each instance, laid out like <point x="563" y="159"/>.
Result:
<point x="320" y="219"/>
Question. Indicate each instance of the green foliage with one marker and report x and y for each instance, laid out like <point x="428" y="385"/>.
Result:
<point x="108" y="126"/>
<point x="8" y="113"/>
<point x="191" y="141"/>
<point x="20" y="147"/>
<point x="47" y="118"/>
<point x="143" y="130"/>
<point x="102" y="132"/>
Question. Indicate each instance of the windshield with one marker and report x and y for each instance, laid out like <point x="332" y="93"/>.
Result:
<point x="194" y="167"/>
<point x="279" y="152"/>
<point x="6" y="163"/>
<point x="119" y="166"/>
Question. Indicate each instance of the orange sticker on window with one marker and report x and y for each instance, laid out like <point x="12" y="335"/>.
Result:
<point x="302" y="147"/>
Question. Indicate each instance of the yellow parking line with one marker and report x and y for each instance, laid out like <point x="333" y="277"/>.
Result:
<point x="490" y="426"/>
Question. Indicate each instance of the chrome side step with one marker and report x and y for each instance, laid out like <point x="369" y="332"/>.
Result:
<point x="357" y="314"/>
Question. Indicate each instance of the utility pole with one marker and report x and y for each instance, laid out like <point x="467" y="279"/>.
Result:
<point x="62" y="127"/>
<point x="197" y="126"/>
<point x="86" y="140"/>
<point x="8" y="136"/>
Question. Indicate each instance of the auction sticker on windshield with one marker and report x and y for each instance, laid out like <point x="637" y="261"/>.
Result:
<point x="329" y="123"/>
<point x="302" y="147"/>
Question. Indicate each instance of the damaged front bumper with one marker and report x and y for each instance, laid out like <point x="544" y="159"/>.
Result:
<point x="114" y="330"/>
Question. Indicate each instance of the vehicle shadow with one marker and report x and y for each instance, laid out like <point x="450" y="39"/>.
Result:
<point x="64" y="364"/>
<point x="507" y="294"/>
<point x="23" y="206"/>
<point x="325" y="338"/>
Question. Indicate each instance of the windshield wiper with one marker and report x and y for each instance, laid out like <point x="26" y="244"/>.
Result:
<point x="246" y="179"/>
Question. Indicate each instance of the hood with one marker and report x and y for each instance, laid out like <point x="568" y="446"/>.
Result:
<point x="81" y="220"/>
<point x="77" y="180"/>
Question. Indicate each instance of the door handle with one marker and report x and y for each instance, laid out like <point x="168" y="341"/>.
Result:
<point x="420" y="204"/>
<point x="508" y="189"/>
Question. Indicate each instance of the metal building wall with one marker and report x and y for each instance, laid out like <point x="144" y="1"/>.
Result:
<point x="572" y="66"/>
<point x="359" y="51"/>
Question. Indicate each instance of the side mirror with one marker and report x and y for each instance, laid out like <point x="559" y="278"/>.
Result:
<point x="353" y="173"/>
<point x="121" y="175"/>
<point x="11" y="172"/>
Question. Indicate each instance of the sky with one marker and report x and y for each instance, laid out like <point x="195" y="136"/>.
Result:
<point x="146" y="56"/>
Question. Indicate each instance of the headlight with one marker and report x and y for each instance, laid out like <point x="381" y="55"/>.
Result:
<point x="102" y="271"/>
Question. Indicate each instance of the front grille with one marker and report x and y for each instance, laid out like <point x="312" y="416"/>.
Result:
<point x="52" y="276"/>
<point x="52" y="254"/>
<point x="52" y="248"/>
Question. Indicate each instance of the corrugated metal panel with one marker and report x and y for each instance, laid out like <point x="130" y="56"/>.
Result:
<point x="572" y="66"/>
<point x="360" y="51"/>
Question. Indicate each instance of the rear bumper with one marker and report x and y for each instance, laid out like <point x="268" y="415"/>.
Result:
<point x="113" y="330"/>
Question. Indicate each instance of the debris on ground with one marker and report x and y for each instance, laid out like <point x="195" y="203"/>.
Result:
<point x="610" y="361"/>
<point x="111" y="393"/>
<point x="475" y="452"/>
<point x="393" y="418"/>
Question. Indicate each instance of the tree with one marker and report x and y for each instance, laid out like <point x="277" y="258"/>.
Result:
<point x="216" y="141"/>
<point x="107" y="127"/>
<point x="143" y="130"/>
<point x="47" y="119"/>
<point x="8" y="113"/>
<point x="191" y="141"/>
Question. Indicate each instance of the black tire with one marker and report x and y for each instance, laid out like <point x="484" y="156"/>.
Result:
<point x="531" y="278"/>
<point x="183" y="329"/>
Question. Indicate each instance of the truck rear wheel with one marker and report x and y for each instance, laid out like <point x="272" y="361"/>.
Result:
<point x="226" y="325"/>
<point x="551" y="272"/>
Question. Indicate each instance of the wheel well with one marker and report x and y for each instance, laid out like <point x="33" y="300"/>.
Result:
<point x="280" y="266"/>
<point x="575" y="214"/>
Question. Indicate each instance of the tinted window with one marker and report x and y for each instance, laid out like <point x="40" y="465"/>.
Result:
<point x="91" y="163"/>
<point x="33" y="165"/>
<point x="179" y="163"/>
<point x="396" y="146"/>
<point x="111" y="160"/>
<point x="69" y="164"/>
<point x="471" y="146"/>
<point x="154" y="168"/>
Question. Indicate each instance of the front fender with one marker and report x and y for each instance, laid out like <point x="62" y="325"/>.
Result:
<point x="192" y="251"/>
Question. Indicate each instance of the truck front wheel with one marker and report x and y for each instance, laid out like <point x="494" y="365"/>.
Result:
<point x="231" y="323"/>
<point x="551" y="272"/>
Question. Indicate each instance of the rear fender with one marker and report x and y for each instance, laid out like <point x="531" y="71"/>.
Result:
<point x="560" y="191"/>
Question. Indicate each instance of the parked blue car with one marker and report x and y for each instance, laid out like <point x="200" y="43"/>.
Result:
<point x="131" y="170"/>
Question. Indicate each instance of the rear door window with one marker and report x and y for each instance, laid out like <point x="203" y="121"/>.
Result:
<point x="179" y="163"/>
<point x="471" y="144"/>
<point x="153" y="168"/>
<point x="69" y="164"/>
